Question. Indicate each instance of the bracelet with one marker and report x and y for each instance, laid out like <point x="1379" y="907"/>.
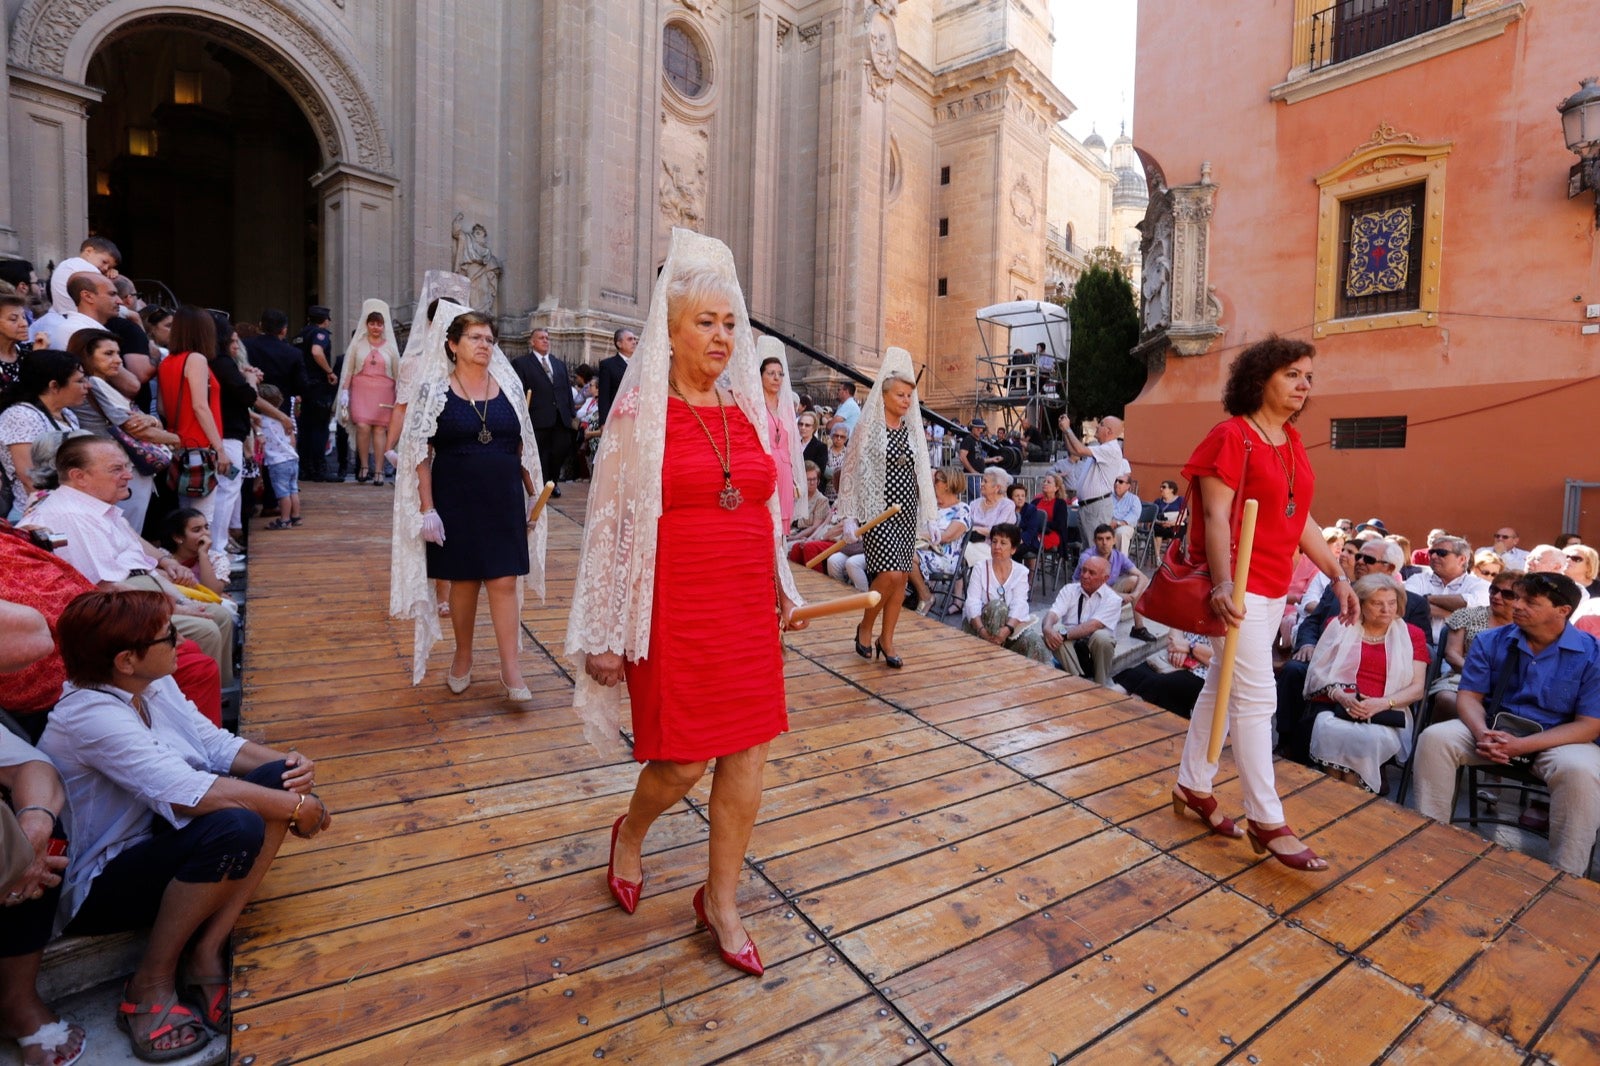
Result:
<point x="24" y="810"/>
<point x="1340" y="578"/>
<point x="294" y="815"/>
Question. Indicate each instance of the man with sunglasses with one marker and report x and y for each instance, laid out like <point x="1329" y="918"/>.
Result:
<point x="1541" y="670"/>
<point x="1293" y="719"/>
<point x="1449" y="583"/>
<point x="1505" y="546"/>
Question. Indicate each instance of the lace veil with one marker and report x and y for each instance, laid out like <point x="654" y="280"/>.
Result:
<point x="864" y="472"/>
<point x="355" y="354"/>
<point x="436" y="285"/>
<point x="615" y="581"/>
<point x="772" y="347"/>
<point x="410" y="588"/>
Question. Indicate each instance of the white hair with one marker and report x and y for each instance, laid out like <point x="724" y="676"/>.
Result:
<point x="998" y="475"/>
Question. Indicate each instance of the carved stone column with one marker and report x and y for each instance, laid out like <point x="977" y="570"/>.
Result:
<point x="358" y="221"/>
<point x="49" y="172"/>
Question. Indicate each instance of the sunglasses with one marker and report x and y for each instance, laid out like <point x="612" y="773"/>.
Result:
<point x="1576" y="558"/>
<point x="169" y="638"/>
<point x="1370" y="559"/>
<point x="1502" y="536"/>
<point x="1509" y="595"/>
<point x="1440" y="551"/>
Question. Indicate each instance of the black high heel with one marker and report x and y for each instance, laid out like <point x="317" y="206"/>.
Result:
<point x="863" y="650"/>
<point x="893" y="662"/>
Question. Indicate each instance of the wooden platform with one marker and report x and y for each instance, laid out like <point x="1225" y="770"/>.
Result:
<point x="971" y="860"/>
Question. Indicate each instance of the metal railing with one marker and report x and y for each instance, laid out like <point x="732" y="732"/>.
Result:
<point x="1352" y="28"/>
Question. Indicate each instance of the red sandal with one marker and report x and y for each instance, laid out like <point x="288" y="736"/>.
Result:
<point x="1300" y="860"/>
<point x="1205" y="807"/>
<point x="171" y="1017"/>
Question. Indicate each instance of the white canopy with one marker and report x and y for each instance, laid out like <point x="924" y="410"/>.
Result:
<point x="1029" y="323"/>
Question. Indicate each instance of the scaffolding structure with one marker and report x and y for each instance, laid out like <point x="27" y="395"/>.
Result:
<point x="1021" y="385"/>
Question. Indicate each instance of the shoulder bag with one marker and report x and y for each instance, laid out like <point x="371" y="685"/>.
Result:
<point x="147" y="457"/>
<point x="1179" y="595"/>
<point x="194" y="470"/>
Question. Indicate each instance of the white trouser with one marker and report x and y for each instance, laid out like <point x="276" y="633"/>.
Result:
<point x="1251" y="705"/>
<point x="851" y="569"/>
<point x="1572" y="771"/>
<point x="137" y="504"/>
<point x="1124" y="535"/>
<point x="225" y="501"/>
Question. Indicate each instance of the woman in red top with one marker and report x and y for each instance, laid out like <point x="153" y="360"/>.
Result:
<point x="1258" y="454"/>
<point x="191" y="400"/>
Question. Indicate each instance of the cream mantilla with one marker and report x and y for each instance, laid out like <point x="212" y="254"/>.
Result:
<point x="772" y="347"/>
<point x="436" y="285"/>
<point x="865" y="469"/>
<point x="355" y="354"/>
<point x="616" y="578"/>
<point x="410" y="588"/>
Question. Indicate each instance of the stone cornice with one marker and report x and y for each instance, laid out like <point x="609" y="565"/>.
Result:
<point x="1015" y="69"/>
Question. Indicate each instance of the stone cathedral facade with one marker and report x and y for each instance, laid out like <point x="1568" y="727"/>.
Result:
<point x="880" y="169"/>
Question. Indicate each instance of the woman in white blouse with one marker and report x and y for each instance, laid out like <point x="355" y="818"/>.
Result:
<point x="129" y="746"/>
<point x="997" y="598"/>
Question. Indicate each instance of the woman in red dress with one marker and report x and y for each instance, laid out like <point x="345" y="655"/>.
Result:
<point x="684" y="463"/>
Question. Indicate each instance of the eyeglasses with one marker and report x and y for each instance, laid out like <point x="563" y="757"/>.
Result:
<point x="1509" y="595"/>
<point x="1440" y="551"/>
<point x="1370" y="559"/>
<point x="1575" y="557"/>
<point x="1502" y="536"/>
<point x="169" y="638"/>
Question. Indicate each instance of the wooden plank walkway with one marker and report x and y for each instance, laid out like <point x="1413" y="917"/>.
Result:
<point x="971" y="860"/>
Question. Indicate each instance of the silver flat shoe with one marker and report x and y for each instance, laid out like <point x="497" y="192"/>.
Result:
<point x="458" y="685"/>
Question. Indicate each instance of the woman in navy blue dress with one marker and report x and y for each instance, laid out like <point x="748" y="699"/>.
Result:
<point x="476" y="495"/>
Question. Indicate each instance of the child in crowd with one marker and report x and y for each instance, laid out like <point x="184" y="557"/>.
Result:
<point x="282" y="462"/>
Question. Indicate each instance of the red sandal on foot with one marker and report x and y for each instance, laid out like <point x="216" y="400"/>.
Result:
<point x="746" y="958"/>
<point x="626" y="893"/>
<point x="1205" y="807"/>
<point x="1300" y="860"/>
<point x="170" y="1018"/>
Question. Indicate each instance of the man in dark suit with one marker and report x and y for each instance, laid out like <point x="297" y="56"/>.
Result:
<point x="315" y="344"/>
<point x="550" y="404"/>
<point x="613" y="367"/>
<point x="281" y="367"/>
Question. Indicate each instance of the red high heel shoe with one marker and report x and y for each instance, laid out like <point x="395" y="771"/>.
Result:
<point x="626" y="893"/>
<point x="1300" y="860"/>
<point x="1204" y="806"/>
<point x="746" y="958"/>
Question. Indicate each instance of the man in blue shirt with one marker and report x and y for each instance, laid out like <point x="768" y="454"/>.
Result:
<point x="1125" y="510"/>
<point x="1550" y="674"/>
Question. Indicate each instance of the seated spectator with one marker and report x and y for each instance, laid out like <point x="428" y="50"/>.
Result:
<point x="1564" y="539"/>
<point x="1546" y="559"/>
<point x="1126" y="507"/>
<point x="282" y="461"/>
<point x="34" y="797"/>
<point x="175" y="821"/>
<point x="109" y="404"/>
<point x="1052" y="503"/>
<point x="1175" y="689"/>
<point x="1461" y="629"/>
<point x="1029" y="520"/>
<point x="812" y="516"/>
<point x="13" y="335"/>
<point x="997" y="598"/>
<point x="1080" y="629"/>
<point x="41" y="402"/>
<point x="1409" y="569"/>
<point x="1583" y="567"/>
<point x="1339" y="542"/>
<point x="1294" y="718"/>
<point x="1361" y="683"/>
<point x="812" y="449"/>
<point x="1544" y="670"/>
<point x="1506" y="543"/>
<point x="1169" y="506"/>
<point x="187" y="535"/>
<point x="838" y="441"/>
<point x="1126" y="579"/>
<point x="942" y="555"/>
<point x="104" y="548"/>
<point x="1486" y="564"/>
<point x="1448" y="584"/>
<point x="992" y="507"/>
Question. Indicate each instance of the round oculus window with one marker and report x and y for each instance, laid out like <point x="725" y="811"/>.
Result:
<point x="683" y="60"/>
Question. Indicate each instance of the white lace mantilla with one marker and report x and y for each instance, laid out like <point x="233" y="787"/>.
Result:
<point x="865" y="471"/>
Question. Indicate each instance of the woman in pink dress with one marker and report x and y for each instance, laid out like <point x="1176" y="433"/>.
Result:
<point x="785" y="430"/>
<point x="367" y="388"/>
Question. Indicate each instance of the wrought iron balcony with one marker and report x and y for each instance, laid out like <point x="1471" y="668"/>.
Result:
<point x="1352" y="28"/>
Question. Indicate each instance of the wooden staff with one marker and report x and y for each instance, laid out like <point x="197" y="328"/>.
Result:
<point x="838" y="545"/>
<point x="1230" y="647"/>
<point x="538" y="505"/>
<point x="843" y="605"/>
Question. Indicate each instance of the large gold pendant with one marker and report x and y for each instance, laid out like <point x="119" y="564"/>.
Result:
<point x="484" y="436"/>
<point x="730" y="497"/>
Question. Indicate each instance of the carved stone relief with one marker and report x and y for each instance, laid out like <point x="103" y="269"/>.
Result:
<point x="681" y="190"/>
<point x="883" y="51"/>
<point x="43" y="32"/>
<point x="1023" y="206"/>
<point x="1178" y="304"/>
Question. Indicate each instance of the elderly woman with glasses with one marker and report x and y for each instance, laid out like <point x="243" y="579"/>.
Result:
<point x="1583" y="566"/>
<point x="838" y="445"/>
<point x="1461" y="629"/>
<point x="174" y="821"/>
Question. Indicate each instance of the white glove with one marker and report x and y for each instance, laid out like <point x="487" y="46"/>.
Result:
<point x="392" y="457"/>
<point x="432" y="527"/>
<point x="344" y="398"/>
<point x="851" y="532"/>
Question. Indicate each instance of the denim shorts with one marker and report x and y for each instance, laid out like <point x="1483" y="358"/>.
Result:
<point x="285" y="478"/>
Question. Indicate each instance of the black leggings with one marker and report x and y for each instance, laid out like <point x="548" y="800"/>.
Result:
<point x="220" y="846"/>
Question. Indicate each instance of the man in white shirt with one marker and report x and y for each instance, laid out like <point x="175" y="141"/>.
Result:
<point x="1106" y="465"/>
<point x="1080" y="628"/>
<point x="94" y="303"/>
<point x="1505" y="545"/>
<point x="1449" y="584"/>
<point x="95" y="474"/>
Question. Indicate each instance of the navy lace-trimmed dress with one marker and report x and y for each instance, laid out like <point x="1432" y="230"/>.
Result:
<point x="477" y="490"/>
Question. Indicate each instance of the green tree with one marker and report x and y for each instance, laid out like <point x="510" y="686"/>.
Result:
<point x="1102" y="378"/>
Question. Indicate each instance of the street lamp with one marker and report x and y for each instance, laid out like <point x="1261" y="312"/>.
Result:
<point x="1580" y="122"/>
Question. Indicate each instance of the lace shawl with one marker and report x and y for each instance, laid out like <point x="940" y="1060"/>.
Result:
<point x="410" y="588"/>
<point x="864" y="473"/>
<point x="615" y="581"/>
<point x="436" y="285"/>
<point x="355" y="354"/>
<point x="772" y="347"/>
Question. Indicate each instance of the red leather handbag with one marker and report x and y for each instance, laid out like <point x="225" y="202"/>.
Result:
<point x="1179" y="594"/>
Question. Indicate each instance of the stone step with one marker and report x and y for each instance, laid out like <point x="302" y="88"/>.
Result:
<point x="95" y="1008"/>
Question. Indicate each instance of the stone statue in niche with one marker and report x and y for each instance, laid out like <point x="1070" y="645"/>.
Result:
<point x="472" y="256"/>
<point x="682" y="194"/>
<point x="1156" y="256"/>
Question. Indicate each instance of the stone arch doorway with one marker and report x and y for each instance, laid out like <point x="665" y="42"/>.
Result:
<point x="269" y="46"/>
<point x="199" y="166"/>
